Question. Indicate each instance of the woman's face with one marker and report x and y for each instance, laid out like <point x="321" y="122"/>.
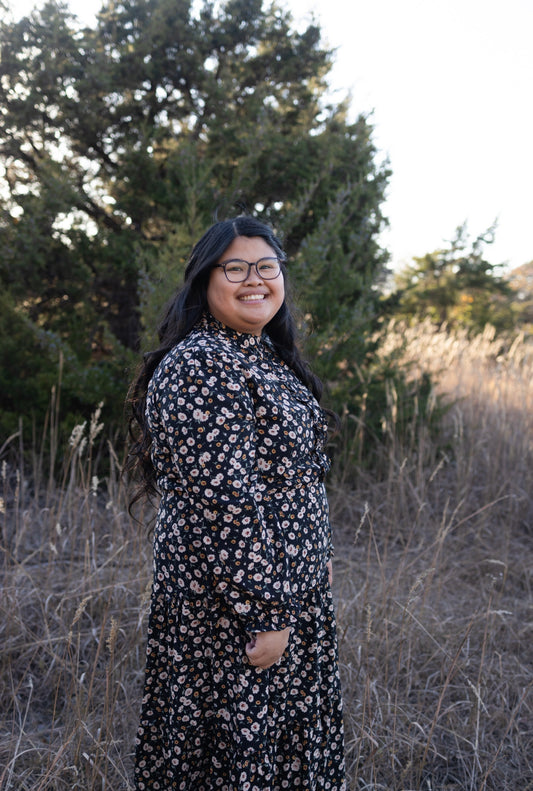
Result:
<point x="250" y="305"/>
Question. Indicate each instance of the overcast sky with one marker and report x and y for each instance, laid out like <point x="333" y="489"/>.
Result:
<point x="448" y="87"/>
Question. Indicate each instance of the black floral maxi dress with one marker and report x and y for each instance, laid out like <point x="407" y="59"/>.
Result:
<point x="241" y="544"/>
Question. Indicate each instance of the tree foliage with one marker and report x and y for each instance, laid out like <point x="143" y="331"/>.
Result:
<point x="456" y="286"/>
<point x="120" y="141"/>
<point x="521" y="281"/>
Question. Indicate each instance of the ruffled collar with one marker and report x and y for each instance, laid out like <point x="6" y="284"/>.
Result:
<point x="247" y="340"/>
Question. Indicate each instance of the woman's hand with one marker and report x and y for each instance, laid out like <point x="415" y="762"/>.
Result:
<point x="329" y="566"/>
<point x="266" y="648"/>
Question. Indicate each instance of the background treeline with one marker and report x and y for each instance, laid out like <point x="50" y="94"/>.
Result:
<point x="121" y="142"/>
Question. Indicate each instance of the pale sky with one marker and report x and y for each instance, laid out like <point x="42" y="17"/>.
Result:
<point x="448" y="87"/>
<point x="449" y="84"/>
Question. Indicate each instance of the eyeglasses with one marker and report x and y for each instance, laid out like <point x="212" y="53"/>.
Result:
<point x="237" y="271"/>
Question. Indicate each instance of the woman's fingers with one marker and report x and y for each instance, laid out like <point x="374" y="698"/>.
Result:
<point x="264" y="649"/>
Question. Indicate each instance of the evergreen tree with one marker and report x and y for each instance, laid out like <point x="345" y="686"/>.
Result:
<point x="121" y="141"/>
<point x="457" y="286"/>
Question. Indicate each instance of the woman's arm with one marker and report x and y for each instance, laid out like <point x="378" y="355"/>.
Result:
<point x="201" y="412"/>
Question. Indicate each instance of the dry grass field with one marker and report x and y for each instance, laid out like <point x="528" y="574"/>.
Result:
<point x="433" y="577"/>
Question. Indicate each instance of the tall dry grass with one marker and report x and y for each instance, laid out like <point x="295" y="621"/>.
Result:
<point x="75" y="572"/>
<point x="434" y="575"/>
<point x="433" y="578"/>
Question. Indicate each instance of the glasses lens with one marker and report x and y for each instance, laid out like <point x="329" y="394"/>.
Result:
<point x="236" y="271"/>
<point x="268" y="268"/>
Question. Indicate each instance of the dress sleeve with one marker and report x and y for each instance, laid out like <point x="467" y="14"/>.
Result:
<point x="204" y="415"/>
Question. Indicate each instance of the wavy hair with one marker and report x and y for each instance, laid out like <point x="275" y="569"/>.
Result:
<point x="183" y="313"/>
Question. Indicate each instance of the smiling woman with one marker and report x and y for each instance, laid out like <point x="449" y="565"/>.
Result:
<point x="242" y="685"/>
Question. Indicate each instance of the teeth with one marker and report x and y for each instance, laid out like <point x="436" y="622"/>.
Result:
<point x="252" y="297"/>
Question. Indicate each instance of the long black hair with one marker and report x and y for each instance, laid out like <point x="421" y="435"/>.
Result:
<point x="183" y="313"/>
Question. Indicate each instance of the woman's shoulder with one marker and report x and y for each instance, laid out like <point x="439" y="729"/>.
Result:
<point x="200" y="350"/>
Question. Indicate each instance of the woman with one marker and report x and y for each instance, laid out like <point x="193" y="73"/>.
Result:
<point x="242" y="689"/>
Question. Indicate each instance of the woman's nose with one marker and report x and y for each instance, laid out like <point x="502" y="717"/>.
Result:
<point x="253" y="276"/>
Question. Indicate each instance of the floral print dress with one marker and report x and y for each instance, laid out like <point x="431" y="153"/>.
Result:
<point x="241" y="543"/>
